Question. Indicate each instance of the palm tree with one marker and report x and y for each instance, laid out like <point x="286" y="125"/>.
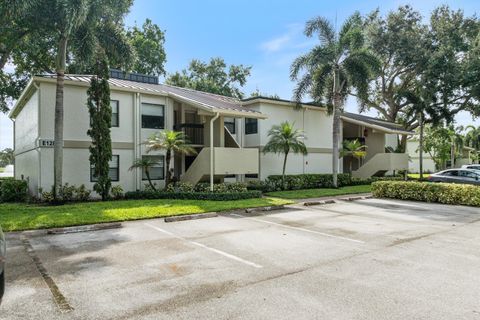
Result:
<point x="145" y="164"/>
<point x="283" y="139"/>
<point x="333" y="69"/>
<point x="472" y="137"/>
<point x="457" y="142"/>
<point x="353" y="148"/>
<point x="81" y="27"/>
<point x="172" y="142"/>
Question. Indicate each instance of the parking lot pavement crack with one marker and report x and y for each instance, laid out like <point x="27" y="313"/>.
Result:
<point x="58" y="297"/>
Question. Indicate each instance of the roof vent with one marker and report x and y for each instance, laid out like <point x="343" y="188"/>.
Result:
<point x="137" y="77"/>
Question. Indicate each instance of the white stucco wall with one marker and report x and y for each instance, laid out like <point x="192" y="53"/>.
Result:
<point x="26" y="125"/>
<point x="26" y="167"/>
<point x="317" y="127"/>
<point x="414" y="161"/>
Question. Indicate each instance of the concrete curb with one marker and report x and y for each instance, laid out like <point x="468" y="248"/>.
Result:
<point x="268" y="208"/>
<point x="191" y="217"/>
<point x="330" y="201"/>
<point x="84" y="228"/>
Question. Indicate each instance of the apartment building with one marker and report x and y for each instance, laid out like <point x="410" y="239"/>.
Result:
<point x="228" y="134"/>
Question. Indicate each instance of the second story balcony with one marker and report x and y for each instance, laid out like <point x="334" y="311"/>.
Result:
<point x="193" y="131"/>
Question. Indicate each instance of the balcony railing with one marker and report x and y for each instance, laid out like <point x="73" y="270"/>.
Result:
<point x="193" y="131"/>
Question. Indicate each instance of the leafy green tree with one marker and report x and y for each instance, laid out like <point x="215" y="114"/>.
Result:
<point x="456" y="143"/>
<point x="214" y="77"/>
<point x="442" y="56"/>
<point x="21" y="25"/>
<point x="438" y="145"/>
<point x="145" y="164"/>
<point x="172" y="142"/>
<point x="339" y="66"/>
<point x="98" y="103"/>
<point x="472" y="137"/>
<point x="257" y="93"/>
<point x="148" y="42"/>
<point x="284" y="138"/>
<point x="6" y="157"/>
<point x="353" y="148"/>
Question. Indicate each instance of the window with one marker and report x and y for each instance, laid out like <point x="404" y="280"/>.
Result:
<point x="468" y="174"/>
<point x="115" y="118"/>
<point x="115" y="112"/>
<point x="157" y="171"/>
<point x="230" y="124"/>
<point x="153" y="116"/>
<point x="252" y="176"/>
<point x="450" y="173"/>
<point x="251" y="126"/>
<point x="113" y="171"/>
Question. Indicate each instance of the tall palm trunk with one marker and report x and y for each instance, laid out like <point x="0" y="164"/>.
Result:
<point x="167" y="159"/>
<point x="336" y="126"/>
<point x="420" y="147"/>
<point x="284" y="167"/>
<point x="452" y="155"/>
<point x="58" y="125"/>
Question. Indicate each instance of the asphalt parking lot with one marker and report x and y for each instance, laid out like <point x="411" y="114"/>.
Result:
<point x="368" y="259"/>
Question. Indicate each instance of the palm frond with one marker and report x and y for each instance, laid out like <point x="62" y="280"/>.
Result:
<point x="321" y="26"/>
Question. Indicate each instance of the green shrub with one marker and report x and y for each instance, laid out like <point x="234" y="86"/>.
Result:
<point x="117" y="192"/>
<point x="224" y="196"/>
<point x="12" y="190"/>
<point x="458" y="194"/>
<point x="313" y="181"/>
<point x="82" y="193"/>
<point x="67" y="193"/>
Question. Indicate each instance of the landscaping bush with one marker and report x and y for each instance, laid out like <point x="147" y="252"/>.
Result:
<point x="117" y="192"/>
<point x="12" y="190"/>
<point x="313" y="181"/>
<point x="67" y="193"/>
<point x="217" y="196"/>
<point x="458" y="194"/>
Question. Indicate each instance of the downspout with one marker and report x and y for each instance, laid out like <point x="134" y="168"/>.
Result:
<point x="136" y="120"/>
<point x="39" y="151"/>
<point x="212" y="149"/>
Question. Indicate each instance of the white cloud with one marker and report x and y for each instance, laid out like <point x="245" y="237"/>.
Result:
<point x="284" y="40"/>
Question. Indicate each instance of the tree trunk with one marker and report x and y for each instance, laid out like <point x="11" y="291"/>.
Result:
<point x="420" y="147"/>
<point x="452" y="155"/>
<point x="283" y="171"/>
<point x="336" y="126"/>
<point x="167" y="159"/>
<point x="58" y="126"/>
<point x="147" y="173"/>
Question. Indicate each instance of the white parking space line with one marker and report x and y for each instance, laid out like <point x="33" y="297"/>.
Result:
<point x="298" y="228"/>
<point x="220" y="252"/>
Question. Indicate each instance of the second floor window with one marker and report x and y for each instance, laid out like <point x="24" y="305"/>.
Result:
<point x="115" y="122"/>
<point x="230" y="124"/>
<point x="251" y="126"/>
<point x="115" y="113"/>
<point x="153" y="116"/>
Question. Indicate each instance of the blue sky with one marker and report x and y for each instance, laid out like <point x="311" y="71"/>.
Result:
<point x="266" y="35"/>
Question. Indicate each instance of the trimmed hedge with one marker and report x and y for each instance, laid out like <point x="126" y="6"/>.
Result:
<point x="313" y="181"/>
<point x="216" y="196"/>
<point x="459" y="194"/>
<point x="12" y="190"/>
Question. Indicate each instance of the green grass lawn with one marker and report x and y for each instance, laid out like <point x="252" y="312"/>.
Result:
<point x="417" y="175"/>
<point x="19" y="216"/>
<point x="317" y="193"/>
